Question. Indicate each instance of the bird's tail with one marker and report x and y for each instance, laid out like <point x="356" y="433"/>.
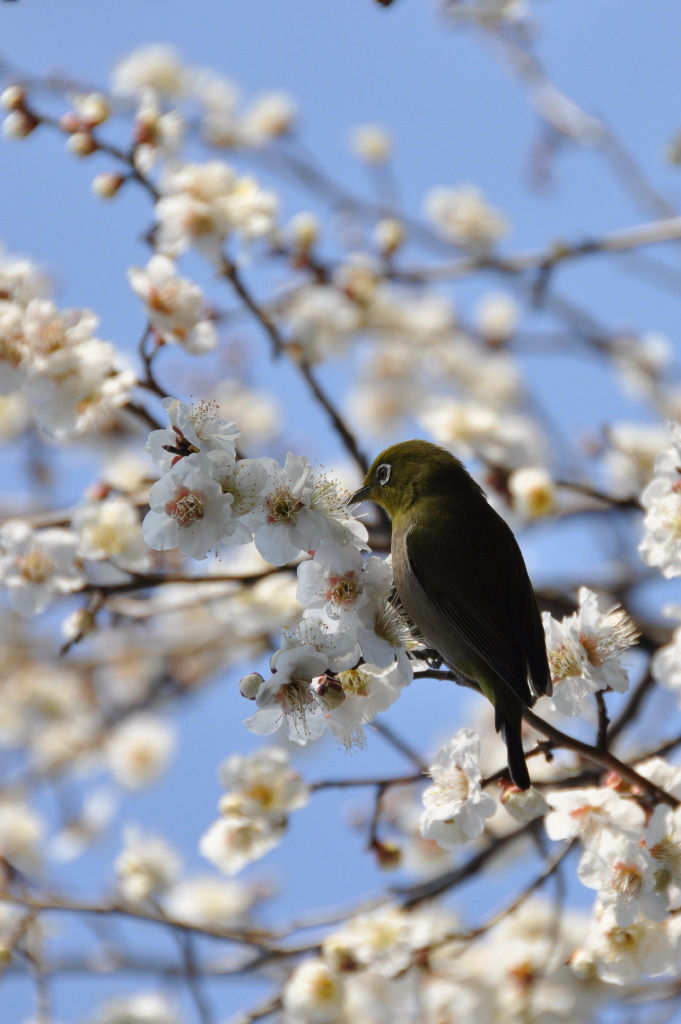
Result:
<point x="511" y="734"/>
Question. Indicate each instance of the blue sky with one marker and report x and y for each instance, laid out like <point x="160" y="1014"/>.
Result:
<point x="456" y="116"/>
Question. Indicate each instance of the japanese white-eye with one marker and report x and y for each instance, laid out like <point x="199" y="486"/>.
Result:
<point x="462" y="580"/>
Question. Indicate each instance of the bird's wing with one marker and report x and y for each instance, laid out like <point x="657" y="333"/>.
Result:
<point x="487" y="608"/>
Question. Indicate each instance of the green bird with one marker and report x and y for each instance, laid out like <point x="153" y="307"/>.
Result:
<point x="462" y="580"/>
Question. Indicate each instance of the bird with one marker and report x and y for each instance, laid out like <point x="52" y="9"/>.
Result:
<point x="461" y="578"/>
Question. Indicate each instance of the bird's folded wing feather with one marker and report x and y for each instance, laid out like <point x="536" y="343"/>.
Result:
<point x="486" y="610"/>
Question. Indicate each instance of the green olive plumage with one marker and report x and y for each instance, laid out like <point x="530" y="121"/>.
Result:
<point x="462" y="580"/>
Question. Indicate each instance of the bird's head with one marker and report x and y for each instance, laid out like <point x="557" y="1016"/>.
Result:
<point x="410" y="471"/>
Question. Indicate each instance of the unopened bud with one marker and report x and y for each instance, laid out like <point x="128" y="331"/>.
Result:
<point x="250" y="684"/>
<point x="18" y="124"/>
<point x="303" y="230"/>
<point x="107" y="184"/>
<point x="388" y="854"/>
<point x="524" y="804"/>
<point x="389" y="235"/>
<point x="70" y="122"/>
<point x="372" y="144"/>
<point x="81" y="144"/>
<point x="94" y="108"/>
<point x="496" y="318"/>
<point x="13" y="97"/>
<point x="329" y="691"/>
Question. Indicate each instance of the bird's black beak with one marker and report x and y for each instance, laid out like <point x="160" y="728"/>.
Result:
<point x="361" y="495"/>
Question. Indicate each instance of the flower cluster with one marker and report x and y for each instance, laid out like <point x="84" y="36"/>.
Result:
<point x="202" y="205"/>
<point x="347" y="660"/>
<point x="261" y="790"/>
<point x="585" y="652"/>
<point x="174" y="305"/>
<point x="661" y="499"/>
<point x="462" y="216"/>
<point x="633" y="864"/>
<point x="455" y="806"/>
<point x="157" y="74"/>
<point x="70" y="378"/>
<point x="351" y="628"/>
<point x="206" y="496"/>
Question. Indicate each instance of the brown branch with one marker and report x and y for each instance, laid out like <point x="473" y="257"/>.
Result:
<point x="398" y="780"/>
<point x="631" y="708"/>
<point x="601" y="757"/>
<point x="603" y="722"/>
<point x="230" y="273"/>
<point x="256" y="938"/>
<point x="415" y="894"/>
<point x="339" y="424"/>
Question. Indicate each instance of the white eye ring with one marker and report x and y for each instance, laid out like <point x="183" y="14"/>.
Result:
<point x="383" y="473"/>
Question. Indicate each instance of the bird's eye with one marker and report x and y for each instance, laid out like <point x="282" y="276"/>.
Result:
<point x="383" y="473"/>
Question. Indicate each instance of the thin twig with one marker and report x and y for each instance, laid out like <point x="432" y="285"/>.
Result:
<point x="339" y="424"/>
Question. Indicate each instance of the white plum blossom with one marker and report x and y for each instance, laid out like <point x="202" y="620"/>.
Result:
<point x="665" y="664"/>
<point x="287" y="698"/>
<point x="233" y="841"/>
<point x="663" y="842"/>
<point x="303" y="507"/>
<point x="462" y="216"/>
<point x="111" y="530"/>
<point x="188" y="510"/>
<point x="623" y="873"/>
<point x="138" y="1008"/>
<point x="366" y="691"/>
<point x="13" y="347"/>
<point x="268" y="117"/>
<point x="622" y="954"/>
<point x="218" y="99"/>
<point x="138" y="750"/>
<point x="201" y="205"/>
<point x="158" y="133"/>
<point x="629" y="460"/>
<point x="386" y="940"/>
<point x="192" y="429"/>
<point x="313" y="994"/>
<point x="383" y="635"/>
<point x="71" y="376"/>
<point x="455" y="807"/>
<point x="321" y="319"/>
<point x="175" y="306"/>
<point x="20" y="280"/>
<point x="661" y="499"/>
<point x="37" y="566"/>
<point x="497" y="316"/>
<point x="371" y="143"/>
<point x="208" y="901"/>
<point x="524" y="804"/>
<point x="244" y="481"/>
<point x="585" y="651"/>
<point x="146" y="866"/>
<point x="585" y="813"/>
<point x="262" y="784"/>
<point x="533" y="492"/>
<point x="474" y="429"/>
<point x="22" y="833"/>
<point x="332" y="580"/>
<point x="158" y="67"/>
